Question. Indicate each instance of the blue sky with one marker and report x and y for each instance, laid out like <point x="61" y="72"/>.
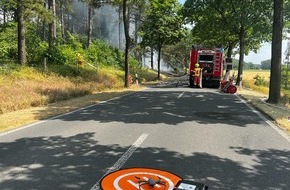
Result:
<point x="263" y="53"/>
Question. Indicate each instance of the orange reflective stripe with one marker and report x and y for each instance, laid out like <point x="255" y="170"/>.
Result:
<point x="126" y="179"/>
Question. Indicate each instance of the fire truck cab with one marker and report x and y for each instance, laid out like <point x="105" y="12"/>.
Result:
<point x="210" y="61"/>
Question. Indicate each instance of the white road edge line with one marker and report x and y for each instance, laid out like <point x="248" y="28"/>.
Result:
<point x="123" y="158"/>
<point x="58" y="116"/>
<point x="275" y="127"/>
<point x="180" y="95"/>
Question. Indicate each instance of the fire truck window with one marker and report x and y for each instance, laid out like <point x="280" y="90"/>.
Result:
<point x="205" y="58"/>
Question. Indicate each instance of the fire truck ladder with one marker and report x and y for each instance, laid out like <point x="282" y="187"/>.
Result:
<point x="217" y="60"/>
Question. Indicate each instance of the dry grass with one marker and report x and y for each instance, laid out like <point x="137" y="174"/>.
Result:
<point x="22" y="117"/>
<point x="255" y="94"/>
<point x="29" y="88"/>
<point x="27" y="95"/>
<point x="278" y="115"/>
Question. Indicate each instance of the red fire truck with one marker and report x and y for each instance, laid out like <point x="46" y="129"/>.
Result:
<point x="211" y="63"/>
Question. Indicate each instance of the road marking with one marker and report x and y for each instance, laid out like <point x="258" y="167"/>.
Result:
<point x="176" y="115"/>
<point x="180" y="95"/>
<point x="61" y="115"/>
<point x="275" y="127"/>
<point x="123" y="158"/>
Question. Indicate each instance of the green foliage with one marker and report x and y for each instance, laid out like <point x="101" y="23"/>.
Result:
<point x="162" y="24"/>
<point x="225" y="22"/>
<point x="260" y="81"/>
<point x="55" y="55"/>
<point x="266" y="65"/>
<point x="8" y="42"/>
<point x="65" y="70"/>
<point x="6" y="69"/>
<point x="25" y="72"/>
<point x="65" y="53"/>
<point x="100" y="54"/>
<point x="35" y="47"/>
<point x="75" y="41"/>
<point x="134" y="63"/>
<point x="251" y="65"/>
<point x="95" y="54"/>
<point x="285" y="80"/>
<point x="246" y="66"/>
<point x="177" y="55"/>
<point x="287" y="16"/>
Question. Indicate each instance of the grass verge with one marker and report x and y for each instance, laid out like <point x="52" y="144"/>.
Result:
<point x="278" y="114"/>
<point x="19" y="118"/>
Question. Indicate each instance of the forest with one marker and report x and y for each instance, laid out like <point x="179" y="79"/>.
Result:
<point x="81" y="38"/>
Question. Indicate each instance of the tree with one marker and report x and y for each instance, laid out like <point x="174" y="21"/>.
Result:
<point x="127" y="40"/>
<point x="206" y="18"/>
<point x="6" y="10"/>
<point x="65" y="7"/>
<point x="275" y="76"/>
<point x="162" y="25"/>
<point x="23" y="10"/>
<point x="52" y="25"/>
<point x="126" y="15"/>
<point x="248" y="21"/>
<point x="92" y="4"/>
<point x="266" y="65"/>
<point x="126" y="21"/>
<point x="21" y="33"/>
<point x="176" y="55"/>
<point x="137" y="13"/>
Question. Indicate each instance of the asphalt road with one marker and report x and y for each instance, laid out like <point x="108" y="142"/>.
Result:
<point x="199" y="134"/>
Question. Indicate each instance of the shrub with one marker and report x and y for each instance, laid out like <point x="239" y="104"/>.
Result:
<point x="259" y="81"/>
<point x="55" y="55"/>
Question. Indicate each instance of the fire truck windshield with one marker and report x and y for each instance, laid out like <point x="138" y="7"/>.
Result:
<point x="206" y="58"/>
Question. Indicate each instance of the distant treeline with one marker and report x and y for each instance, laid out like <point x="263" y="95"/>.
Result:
<point x="265" y="65"/>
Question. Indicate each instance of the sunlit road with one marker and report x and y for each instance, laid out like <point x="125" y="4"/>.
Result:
<point x="199" y="134"/>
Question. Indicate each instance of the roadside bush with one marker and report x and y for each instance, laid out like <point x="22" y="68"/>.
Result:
<point x="95" y="54"/>
<point x="55" y="55"/>
<point x="259" y="81"/>
<point x="75" y="41"/>
<point x="134" y="63"/>
<point x="70" y="54"/>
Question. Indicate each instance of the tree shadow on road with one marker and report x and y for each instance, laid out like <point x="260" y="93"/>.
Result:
<point x="170" y="107"/>
<point x="79" y="161"/>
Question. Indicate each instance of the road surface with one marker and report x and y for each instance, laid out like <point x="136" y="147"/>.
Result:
<point x="199" y="134"/>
